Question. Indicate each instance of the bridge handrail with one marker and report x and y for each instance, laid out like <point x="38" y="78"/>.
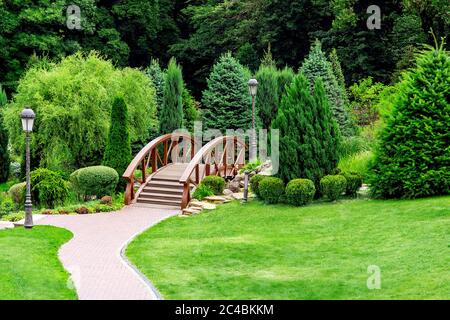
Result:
<point x="205" y="151"/>
<point x="150" y="151"/>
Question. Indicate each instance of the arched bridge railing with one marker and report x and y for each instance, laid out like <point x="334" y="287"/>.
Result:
<point x="223" y="156"/>
<point x="166" y="149"/>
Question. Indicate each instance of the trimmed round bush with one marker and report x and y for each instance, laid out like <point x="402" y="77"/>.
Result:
<point x="354" y="182"/>
<point x="17" y="193"/>
<point x="271" y="189"/>
<point x="254" y="183"/>
<point x="333" y="186"/>
<point x="215" y="183"/>
<point x="96" y="181"/>
<point x="300" y="192"/>
<point x="48" y="188"/>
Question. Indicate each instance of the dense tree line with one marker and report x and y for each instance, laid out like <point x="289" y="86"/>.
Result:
<point x="197" y="33"/>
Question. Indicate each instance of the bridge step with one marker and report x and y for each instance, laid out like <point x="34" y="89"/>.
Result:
<point x="175" y="191"/>
<point x="155" y="195"/>
<point x="160" y="201"/>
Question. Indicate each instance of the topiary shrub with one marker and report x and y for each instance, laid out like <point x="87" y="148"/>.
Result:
<point x="17" y="193"/>
<point x="333" y="186"/>
<point x="48" y="188"/>
<point x="271" y="189"/>
<point x="354" y="182"/>
<point x="95" y="181"/>
<point x="254" y="183"/>
<point x="215" y="183"/>
<point x="300" y="192"/>
<point x="202" y="191"/>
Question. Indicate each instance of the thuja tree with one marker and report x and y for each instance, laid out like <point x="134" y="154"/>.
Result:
<point x="118" y="149"/>
<point x="337" y="71"/>
<point x="284" y="78"/>
<point x="226" y="101"/>
<point x="171" y="115"/>
<point x="413" y="156"/>
<point x="267" y="94"/>
<point x="157" y="75"/>
<point x="316" y="65"/>
<point x="4" y="153"/>
<point x="309" y="136"/>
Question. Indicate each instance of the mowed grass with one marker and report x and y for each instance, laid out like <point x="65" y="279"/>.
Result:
<point x="322" y="251"/>
<point x="29" y="264"/>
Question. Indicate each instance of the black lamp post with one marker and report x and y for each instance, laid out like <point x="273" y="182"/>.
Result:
<point x="252" y="87"/>
<point x="27" y="116"/>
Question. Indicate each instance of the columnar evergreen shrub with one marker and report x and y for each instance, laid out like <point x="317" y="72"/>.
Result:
<point x="226" y="101"/>
<point x="171" y="115"/>
<point x="191" y="111"/>
<point x="48" y="188"/>
<point x="267" y="94"/>
<point x="4" y="152"/>
<point x="284" y="78"/>
<point x="254" y="183"/>
<point x="157" y="76"/>
<point x="215" y="183"/>
<point x="72" y="100"/>
<point x="333" y="186"/>
<point x="309" y="136"/>
<point x="96" y="181"/>
<point x="413" y="157"/>
<point x="316" y="65"/>
<point x="337" y="71"/>
<point x="118" y="149"/>
<point x="271" y="189"/>
<point x="300" y="192"/>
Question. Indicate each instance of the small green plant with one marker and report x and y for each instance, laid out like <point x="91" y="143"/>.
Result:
<point x="202" y="192"/>
<point x="14" y="217"/>
<point x="17" y="193"/>
<point x="96" y="181"/>
<point x="48" y="187"/>
<point x="300" y="192"/>
<point x="251" y="166"/>
<point x="254" y="183"/>
<point x="271" y="189"/>
<point x="358" y="163"/>
<point x="7" y="205"/>
<point x="354" y="182"/>
<point x="333" y="186"/>
<point x="215" y="183"/>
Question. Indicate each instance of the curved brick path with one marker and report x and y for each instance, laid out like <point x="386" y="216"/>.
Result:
<point x="93" y="256"/>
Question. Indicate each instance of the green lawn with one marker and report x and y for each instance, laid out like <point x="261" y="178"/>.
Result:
<point x="322" y="251"/>
<point x="29" y="264"/>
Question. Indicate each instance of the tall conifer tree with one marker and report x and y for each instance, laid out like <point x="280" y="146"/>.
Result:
<point x="171" y="115"/>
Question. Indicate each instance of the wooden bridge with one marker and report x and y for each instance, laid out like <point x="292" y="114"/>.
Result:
<point x="168" y="169"/>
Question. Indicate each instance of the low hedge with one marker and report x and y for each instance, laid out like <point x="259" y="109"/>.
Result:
<point x="254" y="183"/>
<point x="215" y="183"/>
<point x="354" y="182"/>
<point x="271" y="189"/>
<point x="95" y="181"/>
<point x="333" y="186"/>
<point x="300" y="192"/>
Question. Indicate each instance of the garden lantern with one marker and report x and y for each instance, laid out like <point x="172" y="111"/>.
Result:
<point x="252" y="87"/>
<point x="27" y="116"/>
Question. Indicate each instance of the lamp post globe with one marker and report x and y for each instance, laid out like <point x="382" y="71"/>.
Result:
<point x="252" y="88"/>
<point x="27" y="116"/>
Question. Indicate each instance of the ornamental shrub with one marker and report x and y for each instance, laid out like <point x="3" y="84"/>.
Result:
<point x="171" y="115"/>
<point x="202" y="191"/>
<point x="96" y="181"/>
<point x="333" y="186"/>
<point x="155" y="73"/>
<point x="284" y="79"/>
<point x="118" y="149"/>
<point x="271" y="189"/>
<point x="72" y="100"/>
<point x="300" y="192"/>
<point x="354" y="182"/>
<point x="226" y="101"/>
<point x="254" y="183"/>
<point x="48" y="188"/>
<point x="267" y="94"/>
<point x="215" y="183"/>
<point x="17" y="193"/>
<point x="413" y="157"/>
<point x="4" y="152"/>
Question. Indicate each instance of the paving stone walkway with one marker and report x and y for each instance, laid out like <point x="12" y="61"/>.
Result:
<point x="93" y="256"/>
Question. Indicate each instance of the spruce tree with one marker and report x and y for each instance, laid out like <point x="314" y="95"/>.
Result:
<point x="155" y="73"/>
<point x="118" y="149"/>
<point x="309" y="136"/>
<point x="413" y="157"/>
<point x="226" y="101"/>
<point x="337" y="71"/>
<point x="267" y="94"/>
<point x="171" y="115"/>
<point x="4" y="153"/>
<point x="267" y="60"/>
<point x="316" y="65"/>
